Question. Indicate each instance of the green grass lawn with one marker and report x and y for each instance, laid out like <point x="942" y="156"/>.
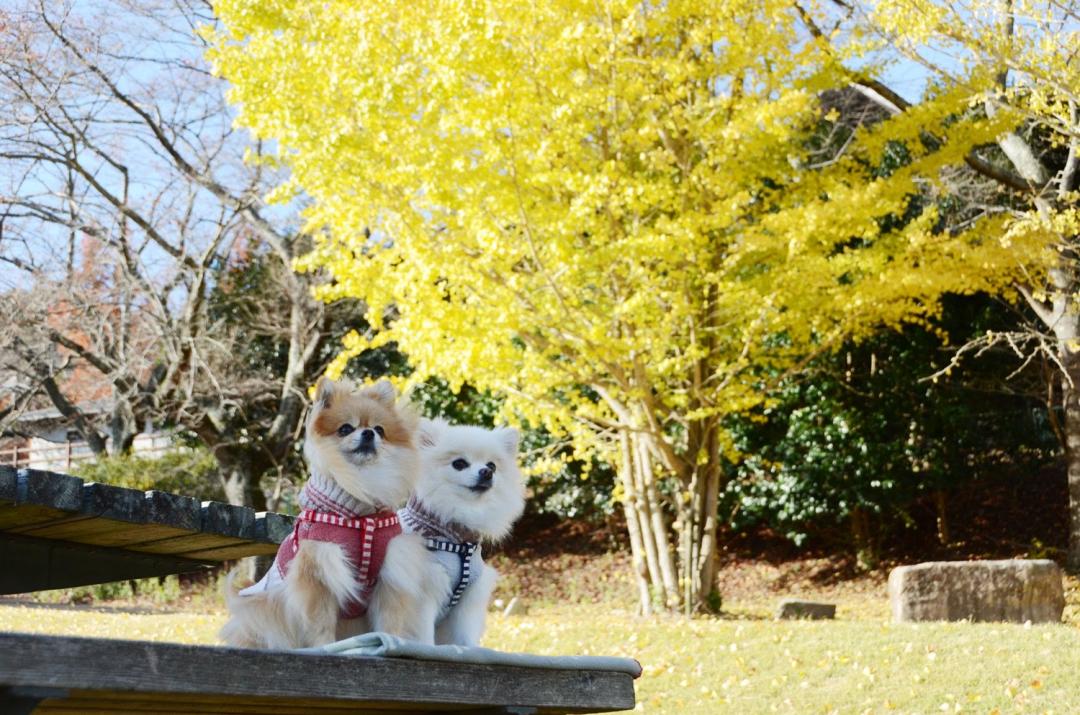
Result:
<point x="741" y="664"/>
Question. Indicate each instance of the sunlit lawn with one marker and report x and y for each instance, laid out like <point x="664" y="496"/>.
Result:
<point x="741" y="665"/>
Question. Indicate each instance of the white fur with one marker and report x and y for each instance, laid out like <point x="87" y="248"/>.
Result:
<point x="448" y="493"/>
<point x="446" y="490"/>
<point x="465" y="623"/>
<point x="305" y="609"/>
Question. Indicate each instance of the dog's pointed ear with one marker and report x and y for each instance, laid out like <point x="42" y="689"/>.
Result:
<point x="325" y="390"/>
<point x="427" y="436"/>
<point x="510" y="439"/>
<point x="383" y="391"/>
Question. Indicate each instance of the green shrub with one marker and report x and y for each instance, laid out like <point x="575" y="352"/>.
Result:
<point x="187" y="471"/>
<point x="864" y="434"/>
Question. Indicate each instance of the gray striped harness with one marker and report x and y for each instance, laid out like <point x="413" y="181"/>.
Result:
<point x="465" y="552"/>
<point x="442" y="538"/>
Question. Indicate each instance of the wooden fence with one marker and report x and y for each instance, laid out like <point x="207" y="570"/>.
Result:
<point x="63" y="456"/>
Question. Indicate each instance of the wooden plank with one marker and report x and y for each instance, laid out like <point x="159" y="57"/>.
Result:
<point x="237" y="522"/>
<point x="126" y="516"/>
<point x="106" y="532"/>
<point x="103" y="509"/>
<point x="33" y="564"/>
<point x="30" y="515"/>
<point x="272" y="528"/>
<point x="8" y="477"/>
<point x="104" y="666"/>
<point x="173" y="510"/>
<point x="182" y="526"/>
<point x="224" y="526"/>
<point x="123" y="517"/>
<point x="269" y="531"/>
<point x="8" y="481"/>
<point x="188" y="544"/>
<point x="42" y="497"/>
<point x="94" y="702"/>
<point x="232" y="553"/>
<point x="59" y="491"/>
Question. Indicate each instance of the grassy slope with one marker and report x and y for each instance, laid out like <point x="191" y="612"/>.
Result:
<point x="738" y="664"/>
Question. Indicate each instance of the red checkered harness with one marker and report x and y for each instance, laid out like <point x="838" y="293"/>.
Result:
<point x="363" y="538"/>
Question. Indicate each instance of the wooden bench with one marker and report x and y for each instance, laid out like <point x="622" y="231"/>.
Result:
<point x="57" y="531"/>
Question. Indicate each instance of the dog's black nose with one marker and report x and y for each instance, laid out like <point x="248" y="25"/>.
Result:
<point x="367" y="442"/>
<point x="485" y="475"/>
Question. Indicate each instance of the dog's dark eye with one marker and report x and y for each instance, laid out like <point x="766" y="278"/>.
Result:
<point x="491" y="466"/>
<point x="459" y="464"/>
<point x="379" y="430"/>
<point x="346" y="429"/>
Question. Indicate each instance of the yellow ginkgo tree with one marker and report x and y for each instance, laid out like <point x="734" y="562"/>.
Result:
<point x="625" y="217"/>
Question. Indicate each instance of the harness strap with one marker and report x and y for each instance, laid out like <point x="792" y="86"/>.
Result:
<point x="464" y="552"/>
<point x="361" y="523"/>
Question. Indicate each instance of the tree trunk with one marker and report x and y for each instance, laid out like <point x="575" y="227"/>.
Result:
<point x="865" y="552"/>
<point x="633" y="526"/>
<point x="708" y="592"/>
<point x="674" y="558"/>
<point x="1071" y="396"/>
<point x="697" y="534"/>
<point x="241" y="483"/>
<point x="941" y="511"/>
<point x="642" y="509"/>
<point x="658" y="527"/>
<point x="123" y="428"/>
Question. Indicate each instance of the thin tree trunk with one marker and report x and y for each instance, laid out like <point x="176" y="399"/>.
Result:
<point x="688" y="547"/>
<point x="941" y="511"/>
<point x="865" y="553"/>
<point x="706" y="566"/>
<point x="645" y="522"/>
<point x="659" y="524"/>
<point x="633" y="527"/>
<point x="123" y="428"/>
<point x="241" y="485"/>
<point x="1071" y="397"/>
<point x="697" y="535"/>
<point x="674" y="561"/>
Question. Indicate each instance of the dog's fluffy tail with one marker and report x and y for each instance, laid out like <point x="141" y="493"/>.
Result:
<point x="241" y="630"/>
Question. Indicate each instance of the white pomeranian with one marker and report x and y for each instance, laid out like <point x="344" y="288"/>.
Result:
<point x="470" y="491"/>
<point x="347" y="568"/>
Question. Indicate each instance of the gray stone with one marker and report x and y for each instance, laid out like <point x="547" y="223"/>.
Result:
<point x="793" y="608"/>
<point x="1016" y="590"/>
<point x="516" y="607"/>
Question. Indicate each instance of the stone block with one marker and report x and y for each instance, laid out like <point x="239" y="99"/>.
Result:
<point x="1016" y="590"/>
<point x="793" y="608"/>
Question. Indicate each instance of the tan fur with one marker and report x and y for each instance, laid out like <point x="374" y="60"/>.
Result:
<point x="305" y="609"/>
<point x="361" y="410"/>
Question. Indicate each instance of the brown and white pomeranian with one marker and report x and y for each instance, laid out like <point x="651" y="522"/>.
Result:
<point x="470" y="491"/>
<point x="347" y="568"/>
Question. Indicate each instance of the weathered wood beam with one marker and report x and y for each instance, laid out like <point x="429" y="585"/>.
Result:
<point x="179" y="677"/>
